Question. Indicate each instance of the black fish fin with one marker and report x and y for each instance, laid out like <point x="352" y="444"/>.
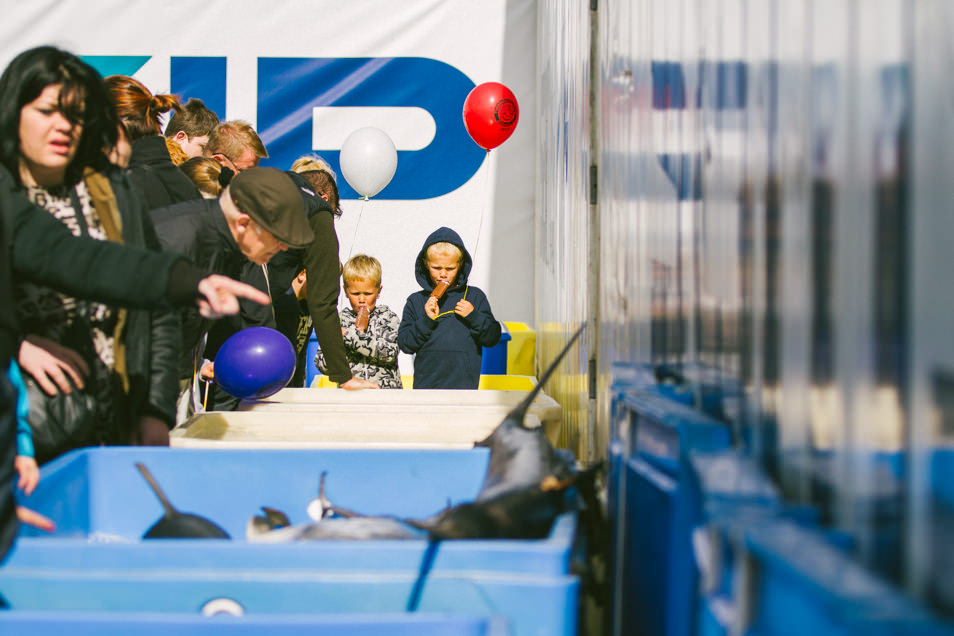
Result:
<point x="518" y="412"/>
<point x="155" y="488"/>
<point x="276" y="518"/>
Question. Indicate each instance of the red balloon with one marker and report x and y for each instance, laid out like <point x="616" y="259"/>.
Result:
<point x="490" y="114"/>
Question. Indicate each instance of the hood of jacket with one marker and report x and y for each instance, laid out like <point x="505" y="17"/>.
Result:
<point x="313" y="202"/>
<point x="442" y="235"/>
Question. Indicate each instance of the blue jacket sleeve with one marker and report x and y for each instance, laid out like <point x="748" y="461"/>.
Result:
<point x="24" y="434"/>
<point x="416" y="327"/>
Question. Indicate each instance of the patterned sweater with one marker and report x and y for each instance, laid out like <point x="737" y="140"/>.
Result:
<point x="372" y="355"/>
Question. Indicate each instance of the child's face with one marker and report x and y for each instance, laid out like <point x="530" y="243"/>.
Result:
<point x="443" y="267"/>
<point x="362" y="291"/>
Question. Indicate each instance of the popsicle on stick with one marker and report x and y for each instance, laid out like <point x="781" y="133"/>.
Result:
<point x="361" y="321"/>
<point x="439" y="289"/>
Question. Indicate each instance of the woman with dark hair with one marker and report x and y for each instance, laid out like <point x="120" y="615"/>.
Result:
<point x="151" y="168"/>
<point x="67" y="88"/>
<point x="95" y="373"/>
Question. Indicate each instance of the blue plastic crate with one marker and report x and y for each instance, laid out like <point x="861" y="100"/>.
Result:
<point x="941" y="579"/>
<point x="942" y="475"/>
<point x="877" y="501"/>
<point x="695" y="385"/>
<point x="37" y="623"/>
<point x="99" y="491"/>
<point x="311" y="350"/>
<point x="494" y="359"/>
<point x="665" y="432"/>
<point x="654" y="506"/>
<point x="805" y="585"/>
<point x="534" y="606"/>
<point x="102" y="506"/>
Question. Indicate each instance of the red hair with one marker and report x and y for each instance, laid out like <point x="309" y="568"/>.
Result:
<point x="137" y="106"/>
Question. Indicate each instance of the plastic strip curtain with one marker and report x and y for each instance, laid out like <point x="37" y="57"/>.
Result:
<point x="929" y="524"/>
<point x="774" y="197"/>
<point x="792" y="154"/>
<point x="619" y="105"/>
<point x="869" y="268"/>
<point x="562" y="207"/>
<point x="724" y="96"/>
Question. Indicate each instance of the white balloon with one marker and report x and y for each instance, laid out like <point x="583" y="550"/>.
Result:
<point x="368" y="160"/>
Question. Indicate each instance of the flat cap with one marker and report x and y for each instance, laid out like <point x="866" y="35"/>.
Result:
<point x="272" y="200"/>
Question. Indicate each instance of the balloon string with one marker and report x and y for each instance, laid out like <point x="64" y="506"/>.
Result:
<point x="483" y="189"/>
<point x="354" y="237"/>
<point x="364" y="201"/>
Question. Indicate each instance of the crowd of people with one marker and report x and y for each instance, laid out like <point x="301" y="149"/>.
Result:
<point x="129" y="253"/>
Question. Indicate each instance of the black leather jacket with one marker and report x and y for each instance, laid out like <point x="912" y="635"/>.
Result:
<point x="152" y="338"/>
<point x="198" y="230"/>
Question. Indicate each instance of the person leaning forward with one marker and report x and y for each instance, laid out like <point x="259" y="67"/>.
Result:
<point x="320" y="261"/>
<point x="259" y="214"/>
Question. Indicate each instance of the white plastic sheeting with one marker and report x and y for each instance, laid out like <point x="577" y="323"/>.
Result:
<point x="563" y="234"/>
<point x="773" y="208"/>
<point x="931" y="401"/>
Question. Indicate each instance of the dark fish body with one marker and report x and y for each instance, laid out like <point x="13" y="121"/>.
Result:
<point x="522" y="513"/>
<point x="527" y="513"/>
<point x="522" y="457"/>
<point x="178" y="525"/>
<point x="518" y="513"/>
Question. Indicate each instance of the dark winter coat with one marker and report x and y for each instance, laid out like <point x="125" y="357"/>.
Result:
<point x="153" y="173"/>
<point x="324" y="285"/>
<point x="198" y="230"/>
<point x="448" y="349"/>
<point x="320" y="260"/>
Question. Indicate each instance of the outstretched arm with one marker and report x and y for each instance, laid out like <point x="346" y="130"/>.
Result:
<point x="323" y="287"/>
<point x="44" y="251"/>
<point x="220" y="296"/>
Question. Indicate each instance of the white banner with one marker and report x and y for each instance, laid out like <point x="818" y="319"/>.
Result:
<point x="306" y="74"/>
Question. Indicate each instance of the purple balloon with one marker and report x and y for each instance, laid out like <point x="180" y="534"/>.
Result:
<point x="255" y="362"/>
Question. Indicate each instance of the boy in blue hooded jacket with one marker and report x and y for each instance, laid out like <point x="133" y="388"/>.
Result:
<point x="447" y="331"/>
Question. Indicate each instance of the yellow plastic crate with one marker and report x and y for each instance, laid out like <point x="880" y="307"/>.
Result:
<point x="487" y="382"/>
<point x="521" y="350"/>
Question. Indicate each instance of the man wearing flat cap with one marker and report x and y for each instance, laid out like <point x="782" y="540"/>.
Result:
<point x="259" y="214"/>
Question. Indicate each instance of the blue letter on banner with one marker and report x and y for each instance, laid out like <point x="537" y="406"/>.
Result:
<point x="289" y="88"/>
